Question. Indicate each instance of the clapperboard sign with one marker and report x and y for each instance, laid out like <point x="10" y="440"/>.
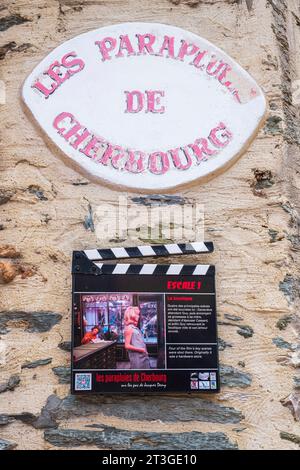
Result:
<point x="144" y="106"/>
<point x="143" y="327"/>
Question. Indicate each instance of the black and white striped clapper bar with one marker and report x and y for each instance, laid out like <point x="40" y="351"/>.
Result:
<point x="94" y="261"/>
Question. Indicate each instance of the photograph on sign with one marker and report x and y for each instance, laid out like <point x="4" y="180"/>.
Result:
<point x="108" y="319"/>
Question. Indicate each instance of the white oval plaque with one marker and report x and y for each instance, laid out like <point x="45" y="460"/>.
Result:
<point x="145" y="106"/>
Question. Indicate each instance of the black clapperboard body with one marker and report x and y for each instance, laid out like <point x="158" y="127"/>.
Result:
<point x="143" y="328"/>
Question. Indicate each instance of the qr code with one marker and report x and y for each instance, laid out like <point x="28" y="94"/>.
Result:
<point x="83" y="381"/>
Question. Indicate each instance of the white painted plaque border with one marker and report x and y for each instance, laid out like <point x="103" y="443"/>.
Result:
<point x="190" y="95"/>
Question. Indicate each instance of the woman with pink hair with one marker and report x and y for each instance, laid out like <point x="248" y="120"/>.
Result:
<point x="134" y="341"/>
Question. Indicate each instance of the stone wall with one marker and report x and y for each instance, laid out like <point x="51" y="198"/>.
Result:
<point x="251" y="212"/>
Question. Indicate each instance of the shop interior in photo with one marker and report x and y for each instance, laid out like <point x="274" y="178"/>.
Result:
<point x="106" y="311"/>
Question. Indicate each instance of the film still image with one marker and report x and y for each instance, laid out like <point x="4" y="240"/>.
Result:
<point x="119" y="331"/>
